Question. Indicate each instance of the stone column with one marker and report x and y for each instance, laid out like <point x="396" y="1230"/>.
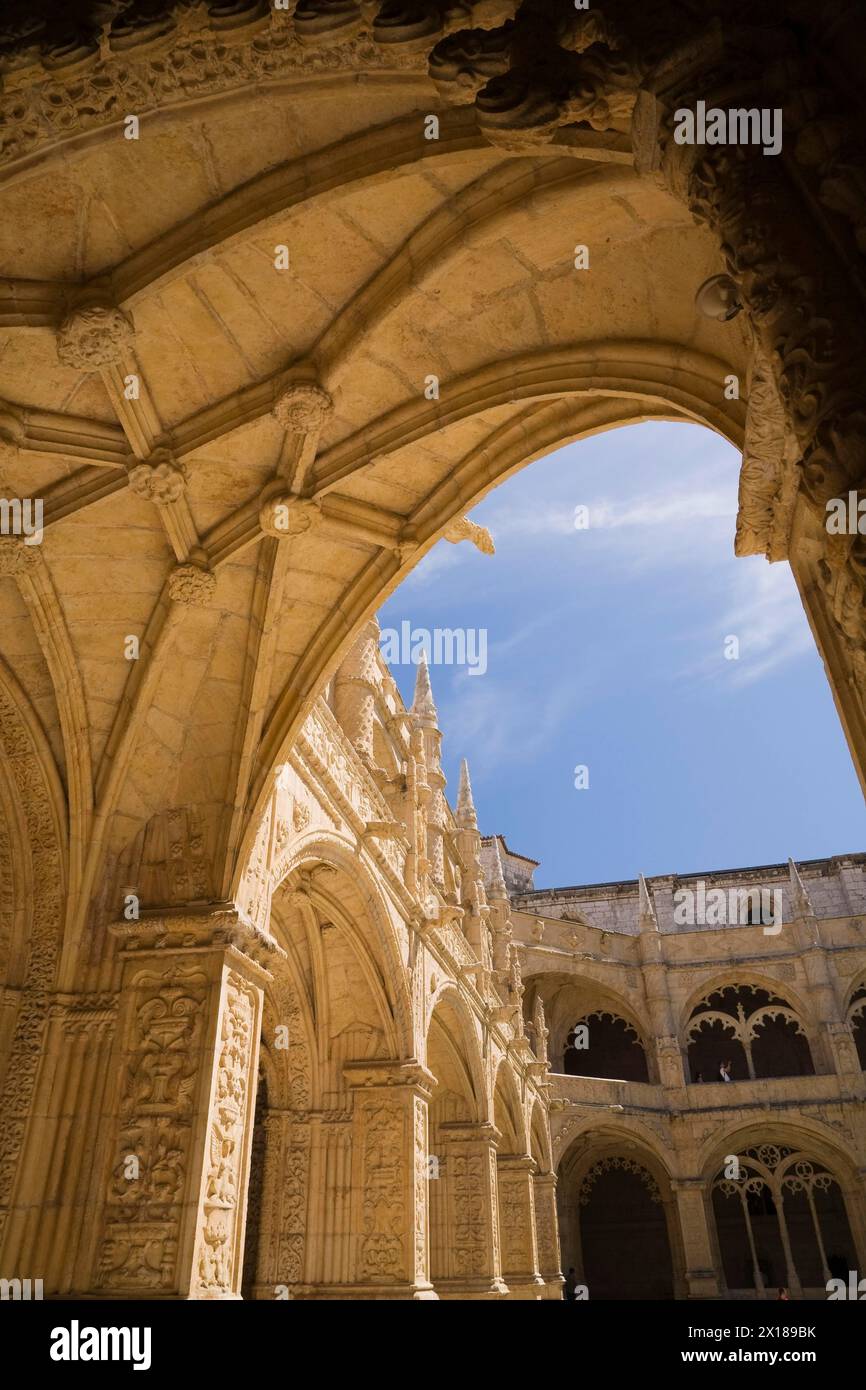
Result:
<point x="281" y="1267"/>
<point x="669" y="1059"/>
<point x="182" y="1110"/>
<point x="517" y="1226"/>
<point x="475" y="1266"/>
<point x="390" y="1256"/>
<point x="703" y="1278"/>
<point x="547" y="1233"/>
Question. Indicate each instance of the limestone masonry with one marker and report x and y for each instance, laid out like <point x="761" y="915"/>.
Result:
<point x="285" y="291"/>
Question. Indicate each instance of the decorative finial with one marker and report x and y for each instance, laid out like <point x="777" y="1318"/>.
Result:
<point x="466" y="815"/>
<point x="497" y="887"/>
<point x="423" y="702"/>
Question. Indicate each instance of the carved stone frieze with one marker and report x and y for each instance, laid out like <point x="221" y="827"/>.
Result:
<point x="218" y="928"/>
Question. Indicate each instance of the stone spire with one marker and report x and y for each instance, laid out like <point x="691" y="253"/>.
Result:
<point x="423" y="712"/>
<point x="422" y="705"/>
<point x="496" y="888"/>
<point x="465" y="814"/>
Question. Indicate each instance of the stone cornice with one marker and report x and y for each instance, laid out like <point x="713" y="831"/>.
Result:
<point x="196" y="929"/>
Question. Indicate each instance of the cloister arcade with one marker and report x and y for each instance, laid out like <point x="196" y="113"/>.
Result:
<point x="662" y="1191"/>
<point x="285" y="293"/>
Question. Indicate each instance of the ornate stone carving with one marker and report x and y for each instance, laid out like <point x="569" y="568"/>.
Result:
<point x="381" y="1249"/>
<point x="162" y="478"/>
<point x="514" y="1181"/>
<point x="223" y="1195"/>
<point x="16" y="556"/>
<point x="302" y="407"/>
<point x="467" y="1189"/>
<point x="540" y="1030"/>
<point x="465" y="530"/>
<point x="191" y="585"/>
<point x="23" y="767"/>
<point x="293" y="1210"/>
<point x="94" y="336"/>
<point x="769" y="478"/>
<point x="616" y="1161"/>
<point x="170" y="858"/>
<point x="329" y="19"/>
<point x="193" y="61"/>
<point x="288" y="515"/>
<point x="139" y="1244"/>
<point x="547" y="68"/>
<point x="221" y="927"/>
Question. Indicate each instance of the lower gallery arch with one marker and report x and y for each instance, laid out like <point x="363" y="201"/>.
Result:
<point x="618" y="1225"/>
<point x="336" y="1143"/>
<point x="458" y="1168"/>
<point x="785" y="1214"/>
<point x="515" y="1191"/>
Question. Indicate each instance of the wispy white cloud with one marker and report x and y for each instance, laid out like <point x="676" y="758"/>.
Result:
<point x="496" y="722"/>
<point x="764" y="613"/>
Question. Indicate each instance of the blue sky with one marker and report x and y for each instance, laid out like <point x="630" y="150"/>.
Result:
<point x="606" y="648"/>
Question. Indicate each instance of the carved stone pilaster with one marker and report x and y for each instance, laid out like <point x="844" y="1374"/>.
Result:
<point x="517" y="1225"/>
<point x="547" y="1230"/>
<point x="186" y="1062"/>
<point x="703" y="1279"/>
<point x="390" y="1178"/>
<point x="468" y="1152"/>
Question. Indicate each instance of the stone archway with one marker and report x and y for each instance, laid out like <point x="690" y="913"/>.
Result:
<point x="464" y="1251"/>
<point x="752" y="1028"/>
<point x="252" y="386"/>
<point x="593" y="1030"/>
<point x="782" y="1219"/>
<point x="342" y="1141"/>
<point x="618" y="1220"/>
